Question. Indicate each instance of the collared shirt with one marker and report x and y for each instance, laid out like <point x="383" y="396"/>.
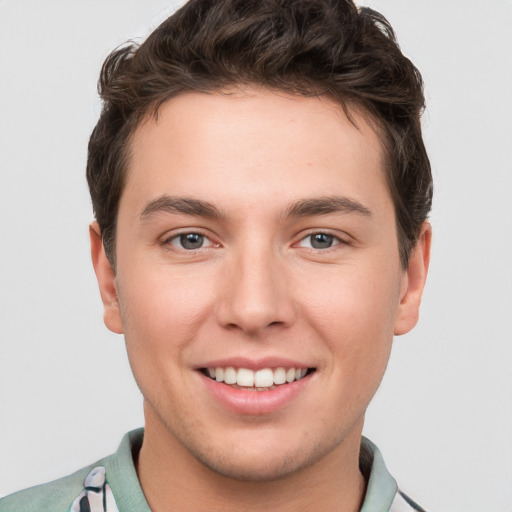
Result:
<point x="111" y="485"/>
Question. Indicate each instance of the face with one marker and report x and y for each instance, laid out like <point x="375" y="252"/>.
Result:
<point x="258" y="282"/>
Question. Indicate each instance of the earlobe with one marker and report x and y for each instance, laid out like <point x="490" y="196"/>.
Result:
<point x="414" y="282"/>
<point x="106" y="281"/>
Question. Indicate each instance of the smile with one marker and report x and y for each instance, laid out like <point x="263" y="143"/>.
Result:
<point x="256" y="388"/>
<point x="259" y="380"/>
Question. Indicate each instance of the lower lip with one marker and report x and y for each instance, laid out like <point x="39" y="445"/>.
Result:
<point x="255" y="403"/>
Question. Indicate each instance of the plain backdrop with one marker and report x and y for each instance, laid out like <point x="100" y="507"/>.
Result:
<point x="443" y="416"/>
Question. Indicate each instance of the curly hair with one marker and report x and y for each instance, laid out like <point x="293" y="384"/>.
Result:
<point x="302" y="47"/>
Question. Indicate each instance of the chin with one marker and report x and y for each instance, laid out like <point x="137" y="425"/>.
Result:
<point x="259" y="464"/>
<point x="261" y="470"/>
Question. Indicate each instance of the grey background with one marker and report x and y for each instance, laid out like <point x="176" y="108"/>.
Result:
<point x="443" y="416"/>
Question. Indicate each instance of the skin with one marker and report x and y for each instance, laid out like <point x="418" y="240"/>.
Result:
<point x="257" y="288"/>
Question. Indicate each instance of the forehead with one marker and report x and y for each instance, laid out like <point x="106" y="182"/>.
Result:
<point x="257" y="144"/>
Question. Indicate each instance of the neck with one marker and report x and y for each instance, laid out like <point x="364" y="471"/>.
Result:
<point x="174" y="480"/>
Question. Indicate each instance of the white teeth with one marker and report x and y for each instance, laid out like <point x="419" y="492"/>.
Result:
<point x="263" y="378"/>
<point x="279" y="376"/>
<point x="245" y="377"/>
<point x="230" y="375"/>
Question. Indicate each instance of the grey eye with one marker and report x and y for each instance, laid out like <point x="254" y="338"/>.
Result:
<point x="321" y="240"/>
<point x="191" y="241"/>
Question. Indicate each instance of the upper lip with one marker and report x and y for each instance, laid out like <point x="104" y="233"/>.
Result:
<point x="254" y="364"/>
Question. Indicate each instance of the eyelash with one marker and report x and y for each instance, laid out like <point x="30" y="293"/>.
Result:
<point x="181" y="239"/>
<point x="335" y="241"/>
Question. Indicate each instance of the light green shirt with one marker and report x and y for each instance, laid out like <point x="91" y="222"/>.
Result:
<point x="111" y="485"/>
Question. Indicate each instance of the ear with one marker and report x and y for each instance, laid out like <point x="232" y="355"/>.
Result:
<point x="106" y="280"/>
<point x="414" y="282"/>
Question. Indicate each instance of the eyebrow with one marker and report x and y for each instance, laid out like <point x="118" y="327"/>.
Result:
<point x="187" y="206"/>
<point x="325" y="206"/>
<point x="303" y="208"/>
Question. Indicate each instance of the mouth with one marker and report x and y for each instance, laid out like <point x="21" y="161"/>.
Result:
<point x="264" y="379"/>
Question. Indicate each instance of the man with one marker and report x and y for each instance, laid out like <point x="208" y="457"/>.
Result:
<point x="261" y="190"/>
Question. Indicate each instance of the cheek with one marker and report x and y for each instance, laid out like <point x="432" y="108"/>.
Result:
<point x="160" y="318"/>
<point x="355" y="309"/>
<point x="162" y="310"/>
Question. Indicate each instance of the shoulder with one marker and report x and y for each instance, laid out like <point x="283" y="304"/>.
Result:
<point x="56" y="496"/>
<point x="91" y="488"/>
<point x="382" y="492"/>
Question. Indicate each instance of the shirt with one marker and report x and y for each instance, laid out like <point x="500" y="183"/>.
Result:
<point x="111" y="485"/>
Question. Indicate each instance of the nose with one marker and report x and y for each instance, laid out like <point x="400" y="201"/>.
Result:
<point x="255" y="293"/>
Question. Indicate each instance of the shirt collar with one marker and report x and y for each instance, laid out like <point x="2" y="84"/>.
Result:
<point x="381" y="486"/>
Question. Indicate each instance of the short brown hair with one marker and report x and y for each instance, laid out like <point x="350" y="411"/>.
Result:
<point x="304" y="47"/>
